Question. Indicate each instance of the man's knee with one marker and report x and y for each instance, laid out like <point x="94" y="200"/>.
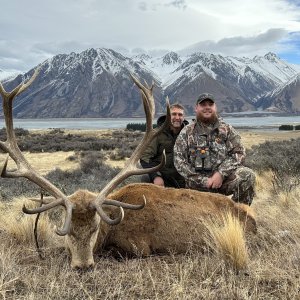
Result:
<point x="244" y="192"/>
<point x="246" y="175"/>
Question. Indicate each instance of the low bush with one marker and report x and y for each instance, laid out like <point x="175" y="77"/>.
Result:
<point x="18" y="132"/>
<point x="57" y="140"/>
<point x="286" y="127"/>
<point x="282" y="158"/>
<point x="136" y="126"/>
<point x="274" y="155"/>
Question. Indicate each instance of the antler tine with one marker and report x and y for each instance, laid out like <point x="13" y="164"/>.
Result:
<point x="148" y="101"/>
<point x="24" y="85"/>
<point x="131" y="165"/>
<point x="8" y="98"/>
<point x="24" y="169"/>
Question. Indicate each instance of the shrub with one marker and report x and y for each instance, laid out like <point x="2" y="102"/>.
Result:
<point x="297" y="127"/>
<point x="57" y="140"/>
<point x="282" y="158"/>
<point x="92" y="175"/>
<point x="121" y="153"/>
<point x="56" y="131"/>
<point x="91" y="161"/>
<point x="286" y="127"/>
<point x="136" y="126"/>
<point x="15" y="187"/>
<point x="18" y="132"/>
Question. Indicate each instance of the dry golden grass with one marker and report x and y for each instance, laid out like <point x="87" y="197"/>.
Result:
<point x="250" y="138"/>
<point x="226" y="237"/>
<point x="273" y="265"/>
<point x="273" y="261"/>
<point x="46" y="162"/>
<point x="19" y="225"/>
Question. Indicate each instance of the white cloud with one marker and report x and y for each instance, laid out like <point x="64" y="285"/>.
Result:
<point x="235" y="46"/>
<point x="33" y="30"/>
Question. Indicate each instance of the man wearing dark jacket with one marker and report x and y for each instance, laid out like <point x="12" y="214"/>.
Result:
<point x="167" y="175"/>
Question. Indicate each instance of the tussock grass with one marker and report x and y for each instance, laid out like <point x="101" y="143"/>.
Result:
<point x="268" y="262"/>
<point x="227" y="239"/>
<point x="289" y="198"/>
<point x="21" y="226"/>
<point x="272" y="264"/>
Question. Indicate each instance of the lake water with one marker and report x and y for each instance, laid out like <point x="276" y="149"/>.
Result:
<point x="267" y="122"/>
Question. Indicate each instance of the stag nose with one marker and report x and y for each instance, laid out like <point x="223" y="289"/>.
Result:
<point x="88" y="266"/>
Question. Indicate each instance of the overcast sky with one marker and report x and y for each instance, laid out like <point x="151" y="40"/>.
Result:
<point x="34" y="30"/>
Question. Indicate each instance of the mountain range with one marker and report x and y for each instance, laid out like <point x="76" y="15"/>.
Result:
<point x="97" y="83"/>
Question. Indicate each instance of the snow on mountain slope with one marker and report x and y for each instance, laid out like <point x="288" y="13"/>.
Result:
<point x="97" y="83"/>
<point x="285" y="98"/>
<point x="270" y="66"/>
<point x="7" y="75"/>
<point x="169" y="68"/>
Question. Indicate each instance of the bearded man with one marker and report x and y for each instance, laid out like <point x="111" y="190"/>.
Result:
<point x="167" y="175"/>
<point x="209" y="155"/>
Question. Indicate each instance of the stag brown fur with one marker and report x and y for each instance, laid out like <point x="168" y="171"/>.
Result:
<point x="172" y="221"/>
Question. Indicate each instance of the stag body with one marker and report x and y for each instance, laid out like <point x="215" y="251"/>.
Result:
<point x="171" y="221"/>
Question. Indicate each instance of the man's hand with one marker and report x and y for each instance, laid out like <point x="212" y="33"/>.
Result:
<point x="159" y="181"/>
<point x="215" y="181"/>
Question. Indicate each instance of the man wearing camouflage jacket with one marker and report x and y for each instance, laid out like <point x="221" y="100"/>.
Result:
<point x="209" y="154"/>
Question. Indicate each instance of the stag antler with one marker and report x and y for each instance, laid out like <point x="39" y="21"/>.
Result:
<point x="24" y="169"/>
<point x="131" y="165"/>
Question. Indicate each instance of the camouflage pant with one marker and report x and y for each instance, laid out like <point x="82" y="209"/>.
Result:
<point x="240" y="184"/>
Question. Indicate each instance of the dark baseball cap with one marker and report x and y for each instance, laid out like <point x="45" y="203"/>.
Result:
<point x="205" y="96"/>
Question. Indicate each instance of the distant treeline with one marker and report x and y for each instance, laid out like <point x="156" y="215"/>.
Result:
<point x="142" y="127"/>
<point x="289" y="127"/>
<point x="137" y="126"/>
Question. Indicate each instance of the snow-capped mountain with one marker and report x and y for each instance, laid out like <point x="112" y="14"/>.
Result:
<point x="7" y="75"/>
<point x="97" y="83"/>
<point x="237" y="82"/>
<point x="286" y="97"/>
<point x="94" y="83"/>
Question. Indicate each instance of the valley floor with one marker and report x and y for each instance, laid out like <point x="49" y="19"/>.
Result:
<point x="45" y="162"/>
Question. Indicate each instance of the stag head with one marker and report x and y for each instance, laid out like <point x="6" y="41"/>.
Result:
<point x="86" y="214"/>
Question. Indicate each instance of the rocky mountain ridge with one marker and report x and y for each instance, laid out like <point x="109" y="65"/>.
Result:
<point x="97" y="83"/>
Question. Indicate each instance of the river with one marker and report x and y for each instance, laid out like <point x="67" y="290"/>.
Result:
<point x="267" y="122"/>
